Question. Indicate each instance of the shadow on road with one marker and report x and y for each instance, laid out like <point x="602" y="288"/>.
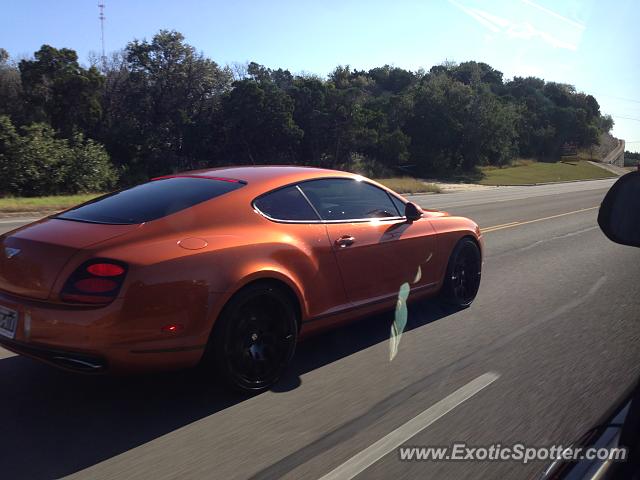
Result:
<point x="55" y="423"/>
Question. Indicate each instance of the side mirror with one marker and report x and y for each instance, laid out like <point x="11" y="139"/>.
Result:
<point x="619" y="215"/>
<point x="412" y="212"/>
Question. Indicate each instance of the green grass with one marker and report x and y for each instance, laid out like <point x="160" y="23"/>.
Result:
<point x="42" y="204"/>
<point x="408" y="185"/>
<point x="526" y="172"/>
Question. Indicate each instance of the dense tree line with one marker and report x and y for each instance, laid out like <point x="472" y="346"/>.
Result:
<point x="160" y="106"/>
<point x="631" y="158"/>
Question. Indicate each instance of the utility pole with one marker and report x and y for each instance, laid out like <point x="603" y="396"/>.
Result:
<point x="102" y="19"/>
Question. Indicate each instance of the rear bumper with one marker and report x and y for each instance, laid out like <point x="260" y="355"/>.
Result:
<point x="68" y="360"/>
<point x="101" y="340"/>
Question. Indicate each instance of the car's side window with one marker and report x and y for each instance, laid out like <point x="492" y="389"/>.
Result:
<point x="348" y="199"/>
<point x="399" y="204"/>
<point x="286" y="204"/>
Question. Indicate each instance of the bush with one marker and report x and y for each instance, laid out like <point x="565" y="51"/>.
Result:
<point x="367" y="167"/>
<point x="88" y="168"/>
<point x="37" y="163"/>
<point x="34" y="162"/>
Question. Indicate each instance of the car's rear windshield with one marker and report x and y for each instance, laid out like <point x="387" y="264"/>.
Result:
<point x="150" y="201"/>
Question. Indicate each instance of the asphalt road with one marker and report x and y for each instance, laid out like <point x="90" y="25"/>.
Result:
<point x="553" y="339"/>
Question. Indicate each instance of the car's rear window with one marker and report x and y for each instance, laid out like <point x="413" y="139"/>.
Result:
<point x="150" y="201"/>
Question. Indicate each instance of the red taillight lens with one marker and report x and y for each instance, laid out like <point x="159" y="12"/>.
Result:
<point x="95" y="282"/>
<point x="95" y="285"/>
<point x="105" y="269"/>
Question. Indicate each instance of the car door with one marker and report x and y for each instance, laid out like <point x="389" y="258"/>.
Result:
<point x="310" y="260"/>
<point x="376" y="249"/>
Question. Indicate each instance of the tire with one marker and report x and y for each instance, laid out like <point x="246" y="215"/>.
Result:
<point x="254" y="338"/>
<point x="462" y="278"/>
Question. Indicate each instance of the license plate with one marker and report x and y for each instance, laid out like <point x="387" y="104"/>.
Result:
<point x="8" y="322"/>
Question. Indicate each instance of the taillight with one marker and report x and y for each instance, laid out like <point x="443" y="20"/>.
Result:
<point x="95" y="285"/>
<point x="96" y="282"/>
<point x="105" y="269"/>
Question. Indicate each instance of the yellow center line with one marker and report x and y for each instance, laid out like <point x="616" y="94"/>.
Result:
<point x="502" y="225"/>
<point x="517" y="224"/>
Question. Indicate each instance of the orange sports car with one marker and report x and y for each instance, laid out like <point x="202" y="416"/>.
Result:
<point x="225" y="267"/>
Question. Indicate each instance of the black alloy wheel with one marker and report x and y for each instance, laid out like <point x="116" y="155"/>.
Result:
<point x="255" y="337"/>
<point x="464" y="270"/>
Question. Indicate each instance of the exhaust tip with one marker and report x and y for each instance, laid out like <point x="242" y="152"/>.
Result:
<point x="85" y="364"/>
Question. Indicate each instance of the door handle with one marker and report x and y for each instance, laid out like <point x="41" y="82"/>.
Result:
<point x="345" y="241"/>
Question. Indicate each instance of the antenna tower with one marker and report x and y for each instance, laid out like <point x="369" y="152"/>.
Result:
<point x="102" y="19"/>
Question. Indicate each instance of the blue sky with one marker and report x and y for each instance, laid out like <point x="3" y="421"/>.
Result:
<point x="591" y="44"/>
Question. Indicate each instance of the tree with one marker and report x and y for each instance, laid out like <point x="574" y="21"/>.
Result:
<point x="391" y="79"/>
<point x="352" y="126"/>
<point x="311" y="114"/>
<point x="259" y="123"/>
<point x="10" y="86"/>
<point x="159" y="106"/>
<point x="58" y="91"/>
<point x="453" y="127"/>
<point x="606" y="123"/>
<point x="553" y="114"/>
<point x="166" y="106"/>
<point x="475" y="73"/>
<point x="8" y="145"/>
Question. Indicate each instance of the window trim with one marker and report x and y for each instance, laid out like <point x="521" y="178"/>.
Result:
<point x="401" y="200"/>
<point x="313" y="207"/>
<point x="280" y="220"/>
<point x="320" y="220"/>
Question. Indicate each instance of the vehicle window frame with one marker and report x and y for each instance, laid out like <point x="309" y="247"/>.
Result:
<point x="320" y="220"/>
<point x="281" y="220"/>
<point x="400" y="200"/>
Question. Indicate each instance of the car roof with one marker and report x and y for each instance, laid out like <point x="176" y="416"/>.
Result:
<point x="269" y="176"/>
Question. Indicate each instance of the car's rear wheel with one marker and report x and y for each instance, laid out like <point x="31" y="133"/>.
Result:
<point x="255" y="337"/>
<point x="462" y="279"/>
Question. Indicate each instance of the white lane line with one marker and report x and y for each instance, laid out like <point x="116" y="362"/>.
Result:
<point x="393" y="440"/>
<point x="6" y="354"/>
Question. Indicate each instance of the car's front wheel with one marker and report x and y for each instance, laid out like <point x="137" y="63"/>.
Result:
<point x="462" y="278"/>
<point x="254" y="338"/>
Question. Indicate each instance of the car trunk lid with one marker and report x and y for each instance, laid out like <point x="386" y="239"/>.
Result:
<point x="32" y="257"/>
